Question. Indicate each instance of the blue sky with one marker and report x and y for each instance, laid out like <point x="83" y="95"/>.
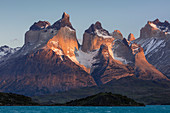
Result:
<point x="128" y="16"/>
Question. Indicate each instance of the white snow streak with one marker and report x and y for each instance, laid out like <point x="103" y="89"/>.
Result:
<point x="152" y="45"/>
<point x="102" y="34"/>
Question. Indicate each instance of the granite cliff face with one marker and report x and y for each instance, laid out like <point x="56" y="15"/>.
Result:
<point x="95" y="36"/>
<point x="61" y="36"/>
<point x="44" y="65"/>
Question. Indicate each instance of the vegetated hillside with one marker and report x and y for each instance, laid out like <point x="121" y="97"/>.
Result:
<point x="151" y="92"/>
<point x="10" y="99"/>
<point x="104" y="99"/>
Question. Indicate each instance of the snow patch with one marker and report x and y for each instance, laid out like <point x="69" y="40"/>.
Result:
<point x="161" y="28"/>
<point x="86" y="59"/>
<point x="154" y="26"/>
<point x="102" y="34"/>
<point x="70" y="29"/>
<point x="5" y="50"/>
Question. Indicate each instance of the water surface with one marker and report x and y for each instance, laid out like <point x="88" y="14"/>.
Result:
<point x="66" y="109"/>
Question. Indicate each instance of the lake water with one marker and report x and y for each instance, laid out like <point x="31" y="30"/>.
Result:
<point x="65" y="109"/>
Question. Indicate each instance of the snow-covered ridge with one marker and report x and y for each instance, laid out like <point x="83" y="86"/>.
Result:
<point x="5" y="50"/>
<point x="70" y="28"/>
<point x="102" y="34"/>
<point x="161" y="26"/>
<point x="152" y="44"/>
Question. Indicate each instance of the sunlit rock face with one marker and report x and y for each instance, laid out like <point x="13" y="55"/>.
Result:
<point x="117" y="34"/>
<point x="155" y="29"/>
<point x="44" y="64"/>
<point x="144" y="70"/>
<point x="64" y="21"/>
<point x="65" y="39"/>
<point x="94" y="36"/>
<point x="131" y="37"/>
<point x="61" y="35"/>
<point x="155" y="40"/>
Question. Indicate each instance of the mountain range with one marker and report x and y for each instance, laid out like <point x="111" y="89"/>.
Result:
<point x="52" y="60"/>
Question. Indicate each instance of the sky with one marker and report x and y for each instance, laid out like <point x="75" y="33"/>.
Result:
<point x="128" y="16"/>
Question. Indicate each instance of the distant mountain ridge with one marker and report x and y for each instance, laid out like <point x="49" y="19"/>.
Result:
<point x="52" y="60"/>
<point x="155" y="40"/>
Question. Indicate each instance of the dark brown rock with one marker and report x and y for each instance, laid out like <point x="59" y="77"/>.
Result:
<point x="39" y="25"/>
<point x="42" y="72"/>
<point x="107" y="69"/>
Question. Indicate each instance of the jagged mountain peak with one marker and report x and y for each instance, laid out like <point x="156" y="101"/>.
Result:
<point x="162" y="26"/>
<point x="117" y="34"/>
<point x="155" y="29"/>
<point x="117" y="31"/>
<point x="60" y="37"/>
<point x="65" y="16"/>
<point x="131" y="37"/>
<point x="40" y="25"/>
<point x="156" y="21"/>
<point x="94" y="36"/>
<point x="96" y="29"/>
<point x="98" y="25"/>
<point x="93" y="27"/>
<point x="64" y="21"/>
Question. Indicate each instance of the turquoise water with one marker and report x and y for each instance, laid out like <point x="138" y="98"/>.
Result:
<point x="64" y="109"/>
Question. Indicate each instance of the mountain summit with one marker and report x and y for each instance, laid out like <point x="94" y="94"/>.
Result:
<point x="64" y="21"/>
<point x="44" y="64"/>
<point x="155" y="40"/>
<point x="94" y="36"/>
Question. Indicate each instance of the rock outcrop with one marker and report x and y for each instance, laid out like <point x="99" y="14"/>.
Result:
<point x="106" y="69"/>
<point x="96" y="36"/>
<point x="61" y="35"/>
<point x="40" y="25"/>
<point x="144" y="70"/>
<point x="122" y="52"/>
<point x="131" y="37"/>
<point x="117" y="34"/>
<point x="155" y="29"/>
